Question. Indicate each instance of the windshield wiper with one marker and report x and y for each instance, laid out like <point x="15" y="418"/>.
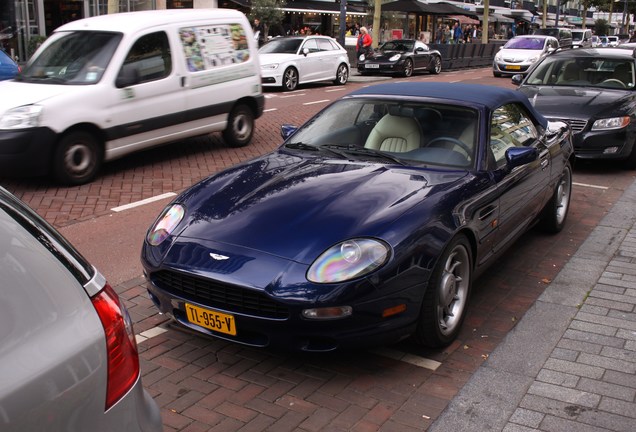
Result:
<point x="311" y="147"/>
<point x="47" y="79"/>
<point x="352" y="149"/>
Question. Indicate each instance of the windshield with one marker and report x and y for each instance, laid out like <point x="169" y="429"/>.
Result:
<point x="72" y="58"/>
<point x="577" y="35"/>
<point x="281" y="46"/>
<point x="584" y="72"/>
<point x="401" y="45"/>
<point x="525" y="43"/>
<point x="409" y="132"/>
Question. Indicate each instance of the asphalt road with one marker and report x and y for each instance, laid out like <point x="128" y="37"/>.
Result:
<point x="204" y="384"/>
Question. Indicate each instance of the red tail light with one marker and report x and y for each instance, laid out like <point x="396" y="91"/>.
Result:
<point x="123" y="359"/>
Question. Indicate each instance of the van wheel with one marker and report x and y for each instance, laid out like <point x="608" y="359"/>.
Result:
<point x="290" y="79"/>
<point x="77" y="158"/>
<point x="342" y="75"/>
<point x="240" y="127"/>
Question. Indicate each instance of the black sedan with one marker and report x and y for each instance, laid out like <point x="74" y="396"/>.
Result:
<point x="368" y="225"/>
<point x="401" y="56"/>
<point x="592" y="89"/>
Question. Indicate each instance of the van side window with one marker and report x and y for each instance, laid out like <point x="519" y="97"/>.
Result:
<point x="149" y="58"/>
<point x="208" y="47"/>
<point x="510" y="127"/>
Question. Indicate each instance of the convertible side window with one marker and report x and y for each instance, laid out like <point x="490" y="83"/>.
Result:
<point x="510" y="126"/>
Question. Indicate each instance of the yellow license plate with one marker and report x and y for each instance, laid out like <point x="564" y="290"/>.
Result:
<point x="513" y="67"/>
<point x="210" y="319"/>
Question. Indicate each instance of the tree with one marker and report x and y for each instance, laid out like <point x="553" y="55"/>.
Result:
<point x="601" y="27"/>
<point x="270" y="12"/>
<point x="598" y="4"/>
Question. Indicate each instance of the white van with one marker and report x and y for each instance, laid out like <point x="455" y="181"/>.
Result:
<point x="103" y="87"/>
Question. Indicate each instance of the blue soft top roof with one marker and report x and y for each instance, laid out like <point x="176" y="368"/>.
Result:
<point x="490" y="97"/>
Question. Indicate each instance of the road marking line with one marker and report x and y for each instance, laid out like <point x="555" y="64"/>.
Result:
<point x="150" y="333"/>
<point x="143" y="202"/>
<point x="292" y="95"/>
<point x="418" y="361"/>
<point x="336" y="89"/>
<point x="271" y="109"/>
<point x="317" y="102"/>
<point x="590" y="186"/>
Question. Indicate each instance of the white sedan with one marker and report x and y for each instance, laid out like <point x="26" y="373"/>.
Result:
<point x="289" y="61"/>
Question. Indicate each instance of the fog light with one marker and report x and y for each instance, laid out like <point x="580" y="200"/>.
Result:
<point x="611" y="150"/>
<point x="328" y="313"/>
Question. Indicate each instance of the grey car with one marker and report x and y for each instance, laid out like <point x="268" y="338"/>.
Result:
<point x="68" y="357"/>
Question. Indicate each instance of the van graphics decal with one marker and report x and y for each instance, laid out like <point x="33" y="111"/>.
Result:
<point x="208" y="47"/>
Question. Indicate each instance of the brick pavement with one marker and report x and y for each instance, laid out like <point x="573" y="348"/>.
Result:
<point x="570" y="364"/>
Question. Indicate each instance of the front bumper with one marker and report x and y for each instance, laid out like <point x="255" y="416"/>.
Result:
<point x="26" y="152"/>
<point x="510" y="69"/>
<point x="612" y="144"/>
<point x="272" y="77"/>
<point x="381" y="68"/>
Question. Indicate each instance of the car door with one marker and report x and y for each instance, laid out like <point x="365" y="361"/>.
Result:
<point x="421" y="56"/>
<point x="523" y="188"/>
<point x="147" y="101"/>
<point x="329" y="57"/>
<point x="310" y="65"/>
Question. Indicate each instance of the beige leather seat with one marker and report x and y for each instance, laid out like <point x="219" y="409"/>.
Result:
<point x="570" y="73"/>
<point x="623" y="73"/>
<point x="394" y="134"/>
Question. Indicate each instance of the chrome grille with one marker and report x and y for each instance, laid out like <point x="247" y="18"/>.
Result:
<point x="576" y="125"/>
<point x="219" y="295"/>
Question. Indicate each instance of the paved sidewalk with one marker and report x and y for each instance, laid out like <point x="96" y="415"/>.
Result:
<point x="570" y="363"/>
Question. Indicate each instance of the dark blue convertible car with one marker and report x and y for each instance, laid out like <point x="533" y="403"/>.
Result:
<point x="368" y="225"/>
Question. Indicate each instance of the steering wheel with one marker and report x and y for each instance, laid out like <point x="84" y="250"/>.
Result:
<point x="614" y="81"/>
<point x="453" y="141"/>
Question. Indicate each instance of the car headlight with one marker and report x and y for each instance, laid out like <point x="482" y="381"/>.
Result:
<point x="497" y="58"/>
<point x="22" y="117"/>
<point x="611" y="123"/>
<point x="270" y="66"/>
<point x="165" y="224"/>
<point x="362" y="57"/>
<point x="395" y="57"/>
<point x="348" y="260"/>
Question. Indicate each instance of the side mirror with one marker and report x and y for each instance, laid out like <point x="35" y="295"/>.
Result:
<point x="305" y="51"/>
<point x="518" y="156"/>
<point x="128" y="75"/>
<point x="287" y="130"/>
<point x="517" y="79"/>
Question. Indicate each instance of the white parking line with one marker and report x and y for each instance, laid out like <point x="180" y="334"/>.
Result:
<point x="335" y="89"/>
<point x="271" y="109"/>
<point x="292" y="95"/>
<point x="150" y="333"/>
<point x="591" y="186"/>
<point x="418" y="361"/>
<point x="144" y="201"/>
<point x="317" y="102"/>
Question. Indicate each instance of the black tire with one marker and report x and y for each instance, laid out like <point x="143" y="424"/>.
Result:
<point x="290" y="79"/>
<point x="630" y="162"/>
<point x="436" y="65"/>
<point x="240" y="126"/>
<point x="342" y="75"/>
<point x="555" y="213"/>
<point x="446" y="299"/>
<point x="408" y="67"/>
<point x="77" y="158"/>
<point x="496" y="74"/>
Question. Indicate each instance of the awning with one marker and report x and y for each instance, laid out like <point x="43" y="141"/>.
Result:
<point x="309" y="6"/>
<point x="462" y="19"/>
<point x="497" y="18"/>
<point x="416" y="6"/>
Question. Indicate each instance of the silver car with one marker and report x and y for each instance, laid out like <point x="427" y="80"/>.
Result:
<point x="521" y="52"/>
<point x="68" y="357"/>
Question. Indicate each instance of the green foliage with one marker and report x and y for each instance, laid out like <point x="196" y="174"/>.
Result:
<point x="33" y="44"/>
<point x="601" y="27"/>
<point x="270" y="12"/>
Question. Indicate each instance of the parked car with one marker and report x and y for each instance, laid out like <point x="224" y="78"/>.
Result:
<point x="368" y="225"/>
<point x="612" y="41"/>
<point x="103" y="87"/>
<point x="68" y="356"/>
<point x="563" y="34"/>
<point x="401" y="56"/>
<point x="592" y="89"/>
<point x="289" y="61"/>
<point x="521" y="52"/>
<point x="581" y="38"/>
<point x="8" y="67"/>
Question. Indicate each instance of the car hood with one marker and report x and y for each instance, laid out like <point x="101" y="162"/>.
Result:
<point x="518" y="54"/>
<point x="295" y="207"/>
<point x="577" y="102"/>
<point x="16" y="93"/>
<point x="266" y="59"/>
<point x="385" y="55"/>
